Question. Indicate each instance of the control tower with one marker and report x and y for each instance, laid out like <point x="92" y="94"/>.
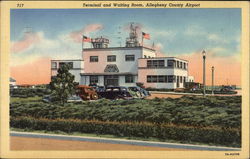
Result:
<point x="132" y="40"/>
<point x="100" y="42"/>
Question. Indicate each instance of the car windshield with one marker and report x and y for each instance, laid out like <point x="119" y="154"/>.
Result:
<point x="116" y="89"/>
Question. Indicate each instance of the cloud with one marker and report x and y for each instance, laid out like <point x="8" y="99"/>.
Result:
<point x="60" y="47"/>
<point x="217" y="39"/>
<point x="26" y="42"/>
<point x="194" y="30"/>
<point x="76" y="36"/>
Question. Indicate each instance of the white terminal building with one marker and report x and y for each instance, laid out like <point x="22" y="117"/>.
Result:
<point x="126" y="66"/>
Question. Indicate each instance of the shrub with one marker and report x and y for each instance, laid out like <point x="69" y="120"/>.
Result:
<point x="164" y="131"/>
<point x="188" y="110"/>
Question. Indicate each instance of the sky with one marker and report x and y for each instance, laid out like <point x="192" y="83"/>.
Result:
<point x="39" y="35"/>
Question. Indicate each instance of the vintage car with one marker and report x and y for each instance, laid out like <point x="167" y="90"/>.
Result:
<point x="86" y="92"/>
<point x="114" y="93"/>
<point x="74" y="98"/>
<point x="138" y="92"/>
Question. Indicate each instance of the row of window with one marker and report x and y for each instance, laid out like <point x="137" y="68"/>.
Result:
<point x="150" y="79"/>
<point x="165" y="79"/>
<point x="170" y="63"/>
<point x="112" y="58"/>
<point x="128" y="79"/>
<point x="54" y="64"/>
<point x="177" y="64"/>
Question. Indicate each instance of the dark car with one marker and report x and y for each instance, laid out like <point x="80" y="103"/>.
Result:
<point x="139" y="92"/>
<point x="115" y="93"/>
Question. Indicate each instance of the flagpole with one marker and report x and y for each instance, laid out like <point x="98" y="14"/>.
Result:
<point x="82" y="45"/>
<point x="142" y="40"/>
<point x="82" y="41"/>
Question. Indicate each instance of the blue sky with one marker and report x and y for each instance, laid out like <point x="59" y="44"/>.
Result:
<point x="174" y="31"/>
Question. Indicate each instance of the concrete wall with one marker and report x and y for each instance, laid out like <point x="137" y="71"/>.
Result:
<point x="148" y="53"/>
<point x="123" y="66"/>
<point x="143" y="72"/>
<point x="85" y="81"/>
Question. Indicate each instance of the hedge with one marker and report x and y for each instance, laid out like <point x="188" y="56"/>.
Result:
<point x="162" y="131"/>
<point x="28" y="92"/>
<point x="189" y="110"/>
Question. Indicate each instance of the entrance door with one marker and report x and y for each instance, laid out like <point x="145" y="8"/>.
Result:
<point x="111" y="80"/>
<point x="178" y="82"/>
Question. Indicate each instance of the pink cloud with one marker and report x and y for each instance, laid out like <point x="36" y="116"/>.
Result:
<point x="27" y="41"/>
<point x="76" y="36"/>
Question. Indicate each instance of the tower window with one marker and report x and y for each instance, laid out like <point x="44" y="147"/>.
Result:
<point x="111" y="58"/>
<point x="93" y="59"/>
<point x="130" y="58"/>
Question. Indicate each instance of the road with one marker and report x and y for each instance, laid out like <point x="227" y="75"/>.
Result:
<point x="155" y="94"/>
<point x="38" y="141"/>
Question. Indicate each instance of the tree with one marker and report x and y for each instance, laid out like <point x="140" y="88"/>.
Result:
<point x="63" y="85"/>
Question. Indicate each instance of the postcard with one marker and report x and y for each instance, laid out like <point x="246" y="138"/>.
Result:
<point x="124" y="79"/>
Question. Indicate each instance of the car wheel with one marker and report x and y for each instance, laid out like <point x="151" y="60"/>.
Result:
<point x="94" y="96"/>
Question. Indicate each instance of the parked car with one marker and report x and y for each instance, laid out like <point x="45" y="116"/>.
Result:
<point x="87" y="92"/>
<point x="115" y="93"/>
<point x="74" y="98"/>
<point x="138" y="92"/>
<point x="48" y="98"/>
<point x="226" y="89"/>
<point x="100" y="89"/>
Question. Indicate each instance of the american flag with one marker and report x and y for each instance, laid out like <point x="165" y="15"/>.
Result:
<point x="86" y="39"/>
<point x="146" y="36"/>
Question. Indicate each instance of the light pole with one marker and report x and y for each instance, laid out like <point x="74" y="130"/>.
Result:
<point x="212" y="80"/>
<point x="204" y="72"/>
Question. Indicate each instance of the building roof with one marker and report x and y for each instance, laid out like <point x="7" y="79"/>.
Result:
<point x="118" y="48"/>
<point x="163" y="58"/>
<point x="12" y="79"/>
<point x="68" y="60"/>
<point x="108" y="73"/>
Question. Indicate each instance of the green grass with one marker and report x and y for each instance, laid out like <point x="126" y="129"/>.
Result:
<point x="22" y="100"/>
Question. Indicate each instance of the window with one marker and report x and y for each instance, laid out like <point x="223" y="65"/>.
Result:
<point x="170" y="63"/>
<point x="130" y="58"/>
<point x="157" y="79"/>
<point x="184" y="79"/>
<point x="154" y="79"/>
<point x="170" y="79"/>
<point x="180" y="64"/>
<point x="64" y="63"/>
<point x="93" y="59"/>
<point x="184" y="65"/>
<point x="111" y="58"/>
<point x="129" y="79"/>
<point x="155" y="63"/>
<point x="53" y="65"/>
<point x="93" y="79"/>
<point x="180" y="79"/>
<point x="161" y="79"/>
